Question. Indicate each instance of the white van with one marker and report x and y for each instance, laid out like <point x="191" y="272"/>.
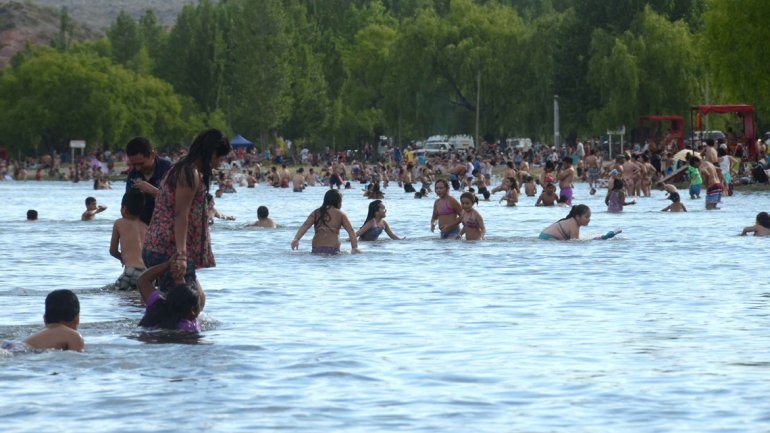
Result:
<point x="522" y="144"/>
<point x="461" y="142"/>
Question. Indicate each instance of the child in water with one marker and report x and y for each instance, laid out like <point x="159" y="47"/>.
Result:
<point x="263" y="220"/>
<point x="92" y="209"/>
<point x="180" y="307"/>
<point x="62" y="318"/>
<point x="616" y="197"/>
<point x="548" y="197"/>
<point x="128" y="232"/>
<point x="375" y="223"/>
<point x="473" y="223"/>
<point x="530" y="189"/>
<point x="761" y="228"/>
<point x="676" y="204"/>
<point x="511" y="196"/>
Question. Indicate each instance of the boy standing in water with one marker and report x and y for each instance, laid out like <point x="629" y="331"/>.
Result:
<point x="92" y="209"/>
<point x="566" y="175"/>
<point x="62" y="317"/>
<point x="128" y="232"/>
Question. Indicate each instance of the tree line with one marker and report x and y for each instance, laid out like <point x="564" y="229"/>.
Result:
<point x="340" y="73"/>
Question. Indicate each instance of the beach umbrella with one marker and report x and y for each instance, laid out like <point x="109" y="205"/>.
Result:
<point x="239" y="141"/>
<point x="684" y="155"/>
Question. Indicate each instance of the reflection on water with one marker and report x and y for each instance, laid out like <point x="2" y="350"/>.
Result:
<point x="660" y="329"/>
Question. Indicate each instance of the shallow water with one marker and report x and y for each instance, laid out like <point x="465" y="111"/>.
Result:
<point x="662" y="329"/>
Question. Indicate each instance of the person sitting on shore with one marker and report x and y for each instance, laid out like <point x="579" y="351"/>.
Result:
<point x="761" y="228"/>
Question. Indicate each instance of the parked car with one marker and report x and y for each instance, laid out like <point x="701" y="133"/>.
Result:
<point x="522" y="144"/>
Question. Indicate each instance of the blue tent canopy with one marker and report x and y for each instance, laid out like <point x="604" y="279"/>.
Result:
<point x="239" y="141"/>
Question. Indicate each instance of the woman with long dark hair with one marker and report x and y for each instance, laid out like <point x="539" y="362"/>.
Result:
<point x="375" y="223"/>
<point x="179" y="229"/>
<point x="327" y="221"/>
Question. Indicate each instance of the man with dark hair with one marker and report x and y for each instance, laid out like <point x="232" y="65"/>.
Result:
<point x="147" y="170"/>
<point x="62" y="317"/>
<point x="32" y="215"/>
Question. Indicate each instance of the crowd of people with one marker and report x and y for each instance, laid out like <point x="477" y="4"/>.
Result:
<point x="163" y="234"/>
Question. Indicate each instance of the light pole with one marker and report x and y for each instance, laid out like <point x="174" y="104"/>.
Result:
<point x="556" y="134"/>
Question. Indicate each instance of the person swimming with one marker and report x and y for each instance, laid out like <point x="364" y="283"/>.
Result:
<point x="568" y="227"/>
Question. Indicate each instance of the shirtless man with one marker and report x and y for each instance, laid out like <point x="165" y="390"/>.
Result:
<point x="630" y="174"/>
<point x="566" y="176"/>
<point x="92" y="209"/>
<point x="710" y="152"/>
<point x="593" y="165"/>
<point x="62" y="317"/>
<point x="710" y="178"/>
<point x="298" y="182"/>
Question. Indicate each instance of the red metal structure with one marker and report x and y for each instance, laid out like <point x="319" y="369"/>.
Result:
<point x="675" y="131"/>
<point x="746" y="112"/>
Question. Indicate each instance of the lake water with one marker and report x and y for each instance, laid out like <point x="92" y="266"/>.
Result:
<point x="662" y="329"/>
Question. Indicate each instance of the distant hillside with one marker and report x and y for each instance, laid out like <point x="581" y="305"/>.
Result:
<point x="99" y="14"/>
<point x="23" y="21"/>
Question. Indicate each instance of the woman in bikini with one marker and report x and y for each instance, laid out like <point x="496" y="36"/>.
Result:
<point x="446" y="212"/>
<point x="327" y="221"/>
<point x="569" y="227"/>
<point x="473" y="223"/>
<point x="375" y="223"/>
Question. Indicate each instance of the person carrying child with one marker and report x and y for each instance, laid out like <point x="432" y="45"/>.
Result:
<point x="128" y="233"/>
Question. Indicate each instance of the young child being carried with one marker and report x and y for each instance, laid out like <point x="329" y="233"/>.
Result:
<point x="62" y="317"/>
<point x="676" y="203"/>
<point x="128" y="233"/>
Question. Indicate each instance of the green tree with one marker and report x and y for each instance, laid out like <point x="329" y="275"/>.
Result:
<point x="125" y="40"/>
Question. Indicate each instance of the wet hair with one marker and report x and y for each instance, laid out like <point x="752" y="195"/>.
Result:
<point x="444" y="181"/>
<point x="61" y="306"/>
<point x="179" y="303"/>
<point x="674" y="197"/>
<point x="617" y="184"/>
<point x="139" y="146"/>
<point x="550" y="185"/>
<point x="90" y="200"/>
<point x="694" y="160"/>
<point x="469" y="196"/>
<point x="576" y="211"/>
<point x="133" y="201"/>
<point x="512" y="183"/>
<point x="32" y="215"/>
<point x="262" y="212"/>
<point x="421" y="193"/>
<point x="204" y="146"/>
<point x="528" y="179"/>
<point x="332" y="198"/>
<point x="763" y="219"/>
<point x="374" y="207"/>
